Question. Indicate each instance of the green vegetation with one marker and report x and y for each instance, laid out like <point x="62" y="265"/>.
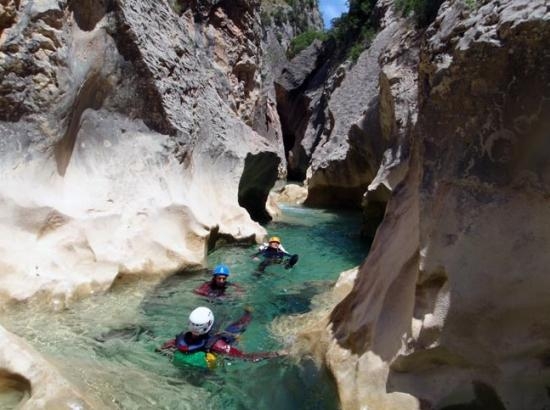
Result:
<point x="176" y="6"/>
<point x="424" y="11"/>
<point x="353" y="31"/>
<point x="292" y="16"/>
<point x="281" y="12"/>
<point x="302" y="41"/>
<point x="367" y="34"/>
<point x="265" y="18"/>
<point x="293" y="3"/>
<point x="279" y="17"/>
<point x="355" y="51"/>
<point x="349" y="25"/>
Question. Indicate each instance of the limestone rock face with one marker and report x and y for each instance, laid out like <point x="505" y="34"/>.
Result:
<point x="450" y="306"/>
<point x="33" y="379"/>
<point x="397" y="112"/>
<point x="297" y="102"/>
<point x="291" y="194"/>
<point x="125" y="143"/>
<point x="345" y="125"/>
<point x="285" y="20"/>
<point x="229" y="34"/>
<point x="280" y="23"/>
<point x="367" y="112"/>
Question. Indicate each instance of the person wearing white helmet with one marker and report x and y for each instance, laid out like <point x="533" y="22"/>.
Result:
<point x="201" y="337"/>
<point x="201" y="321"/>
<point x="273" y="252"/>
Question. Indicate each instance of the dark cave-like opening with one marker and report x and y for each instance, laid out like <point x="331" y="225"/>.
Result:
<point x="259" y="175"/>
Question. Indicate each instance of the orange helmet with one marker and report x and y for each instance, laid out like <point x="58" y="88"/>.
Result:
<point x="275" y="239"/>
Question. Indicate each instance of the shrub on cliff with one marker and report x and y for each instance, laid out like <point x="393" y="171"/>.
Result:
<point x="353" y="31"/>
<point x="349" y="26"/>
<point x="424" y="11"/>
<point x="302" y="41"/>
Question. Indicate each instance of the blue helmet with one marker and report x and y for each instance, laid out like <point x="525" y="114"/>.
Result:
<point x="221" y="270"/>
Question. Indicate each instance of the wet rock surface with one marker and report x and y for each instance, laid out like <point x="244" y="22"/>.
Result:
<point x="34" y="381"/>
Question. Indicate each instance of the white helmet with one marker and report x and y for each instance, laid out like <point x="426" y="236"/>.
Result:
<point x="201" y="320"/>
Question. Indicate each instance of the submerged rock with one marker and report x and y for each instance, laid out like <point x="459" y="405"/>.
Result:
<point x="38" y="384"/>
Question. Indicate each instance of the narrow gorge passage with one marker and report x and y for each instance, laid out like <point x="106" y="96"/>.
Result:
<point x="105" y="344"/>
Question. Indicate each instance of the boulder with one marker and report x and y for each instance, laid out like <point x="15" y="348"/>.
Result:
<point x="291" y="194"/>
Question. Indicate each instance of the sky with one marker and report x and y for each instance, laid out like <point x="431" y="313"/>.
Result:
<point x="331" y="9"/>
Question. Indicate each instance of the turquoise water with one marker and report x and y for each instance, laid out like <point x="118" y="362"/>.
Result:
<point x="105" y="344"/>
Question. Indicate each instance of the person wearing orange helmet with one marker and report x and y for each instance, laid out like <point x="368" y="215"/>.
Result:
<point x="273" y="252"/>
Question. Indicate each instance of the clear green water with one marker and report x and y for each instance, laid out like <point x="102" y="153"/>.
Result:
<point x="105" y="344"/>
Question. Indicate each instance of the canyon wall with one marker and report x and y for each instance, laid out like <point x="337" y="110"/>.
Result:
<point x="134" y="134"/>
<point x="449" y="308"/>
<point x="128" y="139"/>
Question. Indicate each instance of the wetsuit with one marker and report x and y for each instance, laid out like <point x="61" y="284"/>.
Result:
<point x="214" y="290"/>
<point x="220" y="342"/>
<point x="272" y="255"/>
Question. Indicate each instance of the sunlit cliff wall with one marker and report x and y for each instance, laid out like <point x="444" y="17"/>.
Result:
<point x="127" y="138"/>
<point x="133" y="133"/>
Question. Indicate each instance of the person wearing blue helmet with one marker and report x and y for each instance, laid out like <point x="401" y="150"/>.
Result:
<point x="217" y="286"/>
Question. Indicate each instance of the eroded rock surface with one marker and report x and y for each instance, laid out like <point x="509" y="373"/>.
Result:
<point x="290" y="194"/>
<point x="280" y="23"/>
<point x="449" y="307"/>
<point x="125" y="140"/>
<point x="345" y="125"/>
<point x="39" y="384"/>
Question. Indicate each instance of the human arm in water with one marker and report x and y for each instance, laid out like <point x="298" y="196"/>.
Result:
<point x="222" y="347"/>
<point x="220" y="343"/>
<point x="203" y="290"/>
<point x="168" y="348"/>
<point x="259" y="253"/>
<point x="237" y="288"/>
<point x="205" y="342"/>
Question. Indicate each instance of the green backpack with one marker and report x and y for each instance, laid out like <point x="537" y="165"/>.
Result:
<point x="197" y="359"/>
